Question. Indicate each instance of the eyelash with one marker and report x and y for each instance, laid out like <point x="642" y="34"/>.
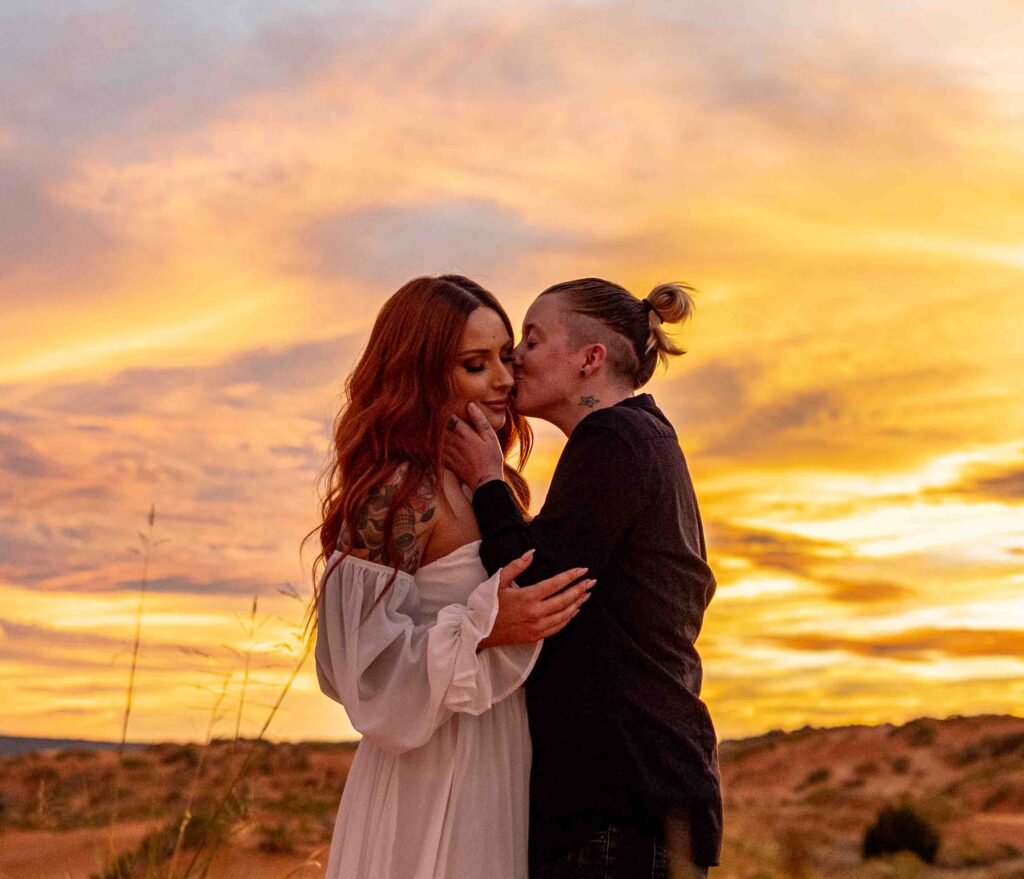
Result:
<point x="475" y="369"/>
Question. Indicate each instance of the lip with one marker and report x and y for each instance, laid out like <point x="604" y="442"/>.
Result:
<point x="495" y="405"/>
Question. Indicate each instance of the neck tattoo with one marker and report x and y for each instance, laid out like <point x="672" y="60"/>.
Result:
<point x="589" y="402"/>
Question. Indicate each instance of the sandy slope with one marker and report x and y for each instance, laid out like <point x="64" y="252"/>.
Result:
<point x="797" y="803"/>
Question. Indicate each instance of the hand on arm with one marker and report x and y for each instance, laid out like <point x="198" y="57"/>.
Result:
<point x="535" y="612"/>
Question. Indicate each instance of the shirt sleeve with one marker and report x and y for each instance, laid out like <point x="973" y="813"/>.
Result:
<point x="592" y="502"/>
<point x="400" y="679"/>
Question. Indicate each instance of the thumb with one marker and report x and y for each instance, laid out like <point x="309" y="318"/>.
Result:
<point x="514" y="568"/>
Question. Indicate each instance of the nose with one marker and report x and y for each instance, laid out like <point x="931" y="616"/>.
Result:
<point x="504" y="378"/>
<point x="517" y="354"/>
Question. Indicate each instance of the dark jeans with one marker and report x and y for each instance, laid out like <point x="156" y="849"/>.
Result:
<point x="619" y="851"/>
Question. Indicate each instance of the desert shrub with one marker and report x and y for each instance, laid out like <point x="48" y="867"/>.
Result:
<point x="187" y="755"/>
<point x="202" y="830"/>
<point x="901" y="829"/>
<point x="999" y="795"/>
<point x="901" y="765"/>
<point x="299" y="760"/>
<point x="865" y="769"/>
<point x="920" y="733"/>
<point x="6" y="808"/>
<point x="990" y="746"/>
<point x="818" y="776"/>
<point x="134" y="762"/>
<point x="967" y="754"/>
<point x="278" y="839"/>
<point x="76" y="754"/>
<point x="307" y="804"/>
<point x="1009" y="743"/>
<point x="45" y="774"/>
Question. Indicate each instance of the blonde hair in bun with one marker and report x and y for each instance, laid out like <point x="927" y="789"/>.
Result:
<point x="668" y="304"/>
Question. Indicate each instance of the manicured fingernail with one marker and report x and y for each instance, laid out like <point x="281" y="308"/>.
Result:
<point x="581" y="571"/>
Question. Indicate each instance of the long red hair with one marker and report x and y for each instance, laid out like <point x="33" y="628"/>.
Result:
<point x="395" y="405"/>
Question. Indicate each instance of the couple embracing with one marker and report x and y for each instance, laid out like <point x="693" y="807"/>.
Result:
<point x="527" y="690"/>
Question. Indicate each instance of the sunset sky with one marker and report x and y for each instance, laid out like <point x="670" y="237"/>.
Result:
<point x="202" y="209"/>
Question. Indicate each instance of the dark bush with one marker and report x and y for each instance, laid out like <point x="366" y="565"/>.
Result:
<point x="188" y="755"/>
<point x="920" y="733"/>
<point x="901" y="829"/>
<point x="818" y="776"/>
<point x="901" y="765"/>
<point x="278" y="839"/>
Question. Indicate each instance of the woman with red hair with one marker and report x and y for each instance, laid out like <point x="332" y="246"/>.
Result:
<point x="426" y="652"/>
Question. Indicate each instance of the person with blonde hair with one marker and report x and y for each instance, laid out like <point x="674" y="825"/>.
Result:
<point x="625" y="779"/>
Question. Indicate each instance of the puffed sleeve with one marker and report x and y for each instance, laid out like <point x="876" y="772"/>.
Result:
<point x="399" y="680"/>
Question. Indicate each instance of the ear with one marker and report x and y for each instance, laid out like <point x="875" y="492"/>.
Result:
<point x="594" y="357"/>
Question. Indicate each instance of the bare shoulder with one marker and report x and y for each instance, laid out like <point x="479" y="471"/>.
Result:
<point x="413" y="523"/>
<point x="455" y="520"/>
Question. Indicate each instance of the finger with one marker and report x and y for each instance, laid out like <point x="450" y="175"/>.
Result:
<point x="558" y="622"/>
<point x="561" y="600"/>
<point x="514" y="568"/>
<point x="569" y="610"/>
<point x="457" y="426"/>
<point x="552" y="585"/>
<point x="478" y="418"/>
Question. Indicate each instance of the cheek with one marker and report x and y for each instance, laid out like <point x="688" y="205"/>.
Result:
<point x="462" y="390"/>
<point x="470" y="387"/>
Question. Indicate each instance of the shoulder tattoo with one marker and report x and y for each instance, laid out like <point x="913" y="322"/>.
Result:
<point x="368" y="540"/>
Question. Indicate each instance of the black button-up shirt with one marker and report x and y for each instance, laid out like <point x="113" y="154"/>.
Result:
<point x="618" y="727"/>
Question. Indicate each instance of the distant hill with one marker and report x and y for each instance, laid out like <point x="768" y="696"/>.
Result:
<point x="797" y="803"/>
<point x="13" y="745"/>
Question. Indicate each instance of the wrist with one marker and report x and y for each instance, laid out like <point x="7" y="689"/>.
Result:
<point x="491" y="476"/>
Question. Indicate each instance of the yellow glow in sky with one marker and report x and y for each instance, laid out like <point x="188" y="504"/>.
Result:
<point x="195" y="244"/>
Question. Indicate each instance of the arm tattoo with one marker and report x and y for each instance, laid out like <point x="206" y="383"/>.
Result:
<point x="368" y="541"/>
<point x="589" y="402"/>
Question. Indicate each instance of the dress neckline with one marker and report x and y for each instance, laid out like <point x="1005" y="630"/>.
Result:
<point x="476" y="542"/>
<point x="355" y="558"/>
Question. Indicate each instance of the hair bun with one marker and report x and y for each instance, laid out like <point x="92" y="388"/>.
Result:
<point x="672" y="303"/>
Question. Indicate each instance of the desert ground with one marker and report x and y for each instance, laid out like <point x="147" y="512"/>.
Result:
<point x="796" y="804"/>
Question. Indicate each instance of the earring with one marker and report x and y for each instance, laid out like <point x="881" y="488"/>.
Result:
<point x="583" y="372"/>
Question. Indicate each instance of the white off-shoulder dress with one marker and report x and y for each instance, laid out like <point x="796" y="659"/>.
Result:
<point x="439" y="786"/>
